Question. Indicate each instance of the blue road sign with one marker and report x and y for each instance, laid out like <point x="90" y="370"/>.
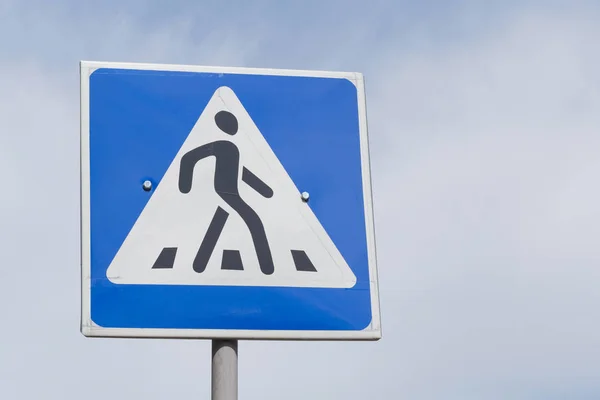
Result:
<point x="226" y="203"/>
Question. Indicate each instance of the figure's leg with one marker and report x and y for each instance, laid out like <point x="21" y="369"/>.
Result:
<point x="210" y="239"/>
<point x="257" y="231"/>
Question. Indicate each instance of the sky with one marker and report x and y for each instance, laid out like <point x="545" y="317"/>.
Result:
<point x="484" y="121"/>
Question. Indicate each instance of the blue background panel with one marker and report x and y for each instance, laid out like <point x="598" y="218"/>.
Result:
<point x="138" y="121"/>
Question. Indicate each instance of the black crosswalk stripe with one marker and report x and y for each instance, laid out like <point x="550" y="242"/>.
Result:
<point x="302" y="261"/>
<point x="232" y="260"/>
<point x="166" y="258"/>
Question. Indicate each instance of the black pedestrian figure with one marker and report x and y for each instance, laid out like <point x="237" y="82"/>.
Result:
<point x="226" y="181"/>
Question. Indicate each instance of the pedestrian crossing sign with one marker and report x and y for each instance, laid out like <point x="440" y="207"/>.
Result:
<point x="226" y="203"/>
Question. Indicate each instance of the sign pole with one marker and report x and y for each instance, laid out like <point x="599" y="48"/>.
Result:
<point x="224" y="381"/>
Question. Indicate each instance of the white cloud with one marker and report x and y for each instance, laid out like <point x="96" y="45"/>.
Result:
<point x="494" y="210"/>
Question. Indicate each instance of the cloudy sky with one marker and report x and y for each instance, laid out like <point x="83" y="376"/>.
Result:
<point x="484" y="122"/>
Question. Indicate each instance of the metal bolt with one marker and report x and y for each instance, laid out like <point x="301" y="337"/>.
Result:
<point x="305" y="196"/>
<point x="147" y="185"/>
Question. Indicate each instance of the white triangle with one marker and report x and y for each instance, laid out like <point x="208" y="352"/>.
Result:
<point x="175" y="219"/>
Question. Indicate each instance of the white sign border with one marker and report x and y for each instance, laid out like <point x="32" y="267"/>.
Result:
<point x="89" y="329"/>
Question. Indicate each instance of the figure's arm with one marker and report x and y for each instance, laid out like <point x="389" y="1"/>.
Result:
<point x="256" y="183"/>
<point x="188" y="162"/>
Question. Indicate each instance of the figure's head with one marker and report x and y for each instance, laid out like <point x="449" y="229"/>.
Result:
<point x="227" y="122"/>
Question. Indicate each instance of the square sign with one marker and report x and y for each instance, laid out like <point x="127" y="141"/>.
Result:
<point x="226" y="203"/>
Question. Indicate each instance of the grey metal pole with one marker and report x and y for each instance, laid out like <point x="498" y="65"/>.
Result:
<point x="224" y="381"/>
